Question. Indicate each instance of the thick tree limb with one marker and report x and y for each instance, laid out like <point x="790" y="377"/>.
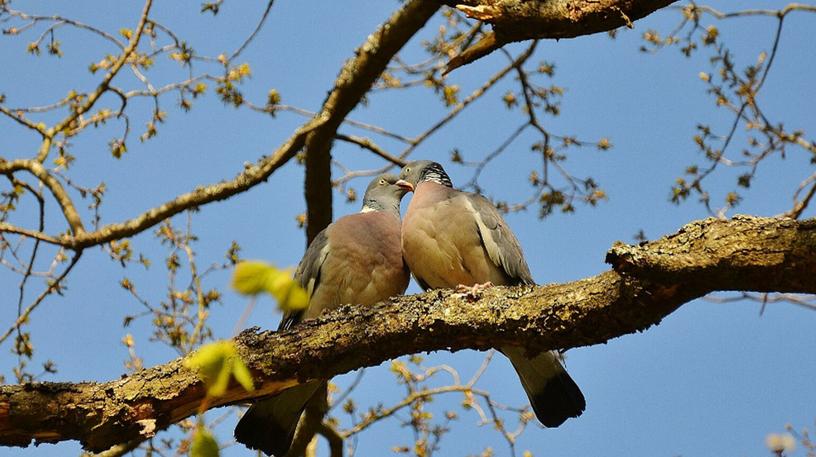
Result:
<point x="355" y="80"/>
<point x="647" y="283"/>
<point x="518" y="20"/>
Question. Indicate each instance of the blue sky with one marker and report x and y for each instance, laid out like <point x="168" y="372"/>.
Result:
<point x="711" y="379"/>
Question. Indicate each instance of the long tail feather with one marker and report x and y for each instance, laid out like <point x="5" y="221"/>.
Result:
<point x="269" y="425"/>
<point x="553" y="394"/>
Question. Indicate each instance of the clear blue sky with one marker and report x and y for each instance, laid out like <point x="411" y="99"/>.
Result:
<point x="712" y="379"/>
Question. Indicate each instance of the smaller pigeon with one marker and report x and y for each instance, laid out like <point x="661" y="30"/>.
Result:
<point x="452" y="238"/>
<point x="355" y="260"/>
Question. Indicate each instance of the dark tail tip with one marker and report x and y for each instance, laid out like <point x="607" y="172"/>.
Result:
<point x="559" y="400"/>
<point x="256" y="430"/>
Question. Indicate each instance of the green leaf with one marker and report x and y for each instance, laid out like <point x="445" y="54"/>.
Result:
<point x="211" y="362"/>
<point x="254" y="277"/>
<point x="204" y="445"/>
<point x="251" y="277"/>
<point x="242" y="374"/>
<point x="216" y="363"/>
<point x="288" y="293"/>
<point x="219" y="386"/>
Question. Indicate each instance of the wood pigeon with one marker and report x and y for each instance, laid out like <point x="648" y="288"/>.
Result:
<point x="355" y="260"/>
<point x="453" y="238"/>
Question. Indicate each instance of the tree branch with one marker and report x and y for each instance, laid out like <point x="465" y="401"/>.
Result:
<point x="416" y="141"/>
<point x="250" y="177"/>
<point x="316" y="135"/>
<point x="367" y="143"/>
<point x="333" y="437"/>
<point x="354" y="81"/>
<point x="647" y="283"/>
<point x="527" y="19"/>
<point x="60" y="195"/>
<point x="136" y="36"/>
<point x="518" y="20"/>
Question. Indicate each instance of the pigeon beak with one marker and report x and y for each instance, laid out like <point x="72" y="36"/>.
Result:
<point x="402" y="184"/>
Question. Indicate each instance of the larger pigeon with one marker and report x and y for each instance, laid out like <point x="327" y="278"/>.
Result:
<point x="452" y="238"/>
<point x="355" y="260"/>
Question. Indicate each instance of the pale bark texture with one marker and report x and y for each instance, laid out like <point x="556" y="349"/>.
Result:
<point x="647" y="283"/>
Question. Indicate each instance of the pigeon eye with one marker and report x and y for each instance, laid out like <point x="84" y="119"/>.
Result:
<point x="382" y="181"/>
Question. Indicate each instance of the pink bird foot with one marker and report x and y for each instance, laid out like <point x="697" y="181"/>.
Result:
<point x="472" y="292"/>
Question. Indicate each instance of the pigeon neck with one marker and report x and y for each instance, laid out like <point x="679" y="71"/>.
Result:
<point x="378" y="205"/>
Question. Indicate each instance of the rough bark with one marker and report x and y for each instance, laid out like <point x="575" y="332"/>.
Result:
<point x="647" y="282"/>
<point x="518" y="20"/>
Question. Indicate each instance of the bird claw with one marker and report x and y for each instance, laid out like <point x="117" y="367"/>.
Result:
<point x="472" y="292"/>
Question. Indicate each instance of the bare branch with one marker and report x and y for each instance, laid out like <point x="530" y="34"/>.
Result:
<point x="105" y="84"/>
<point x="354" y="81"/>
<point x="475" y="95"/>
<point x="38" y="170"/>
<point x="354" y="123"/>
<point x="250" y="177"/>
<point x="17" y="117"/>
<point x="333" y="437"/>
<point x="367" y="143"/>
<point x="416" y="141"/>
<point x="740" y="93"/>
<point x="52" y="286"/>
<point x="10" y="228"/>
<point x="518" y="20"/>
<point x="254" y="33"/>
<point x="799" y="206"/>
<point x="756" y="12"/>
<point x="64" y="20"/>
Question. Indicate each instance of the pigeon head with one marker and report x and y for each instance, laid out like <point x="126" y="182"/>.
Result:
<point x="420" y="171"/>
<point x="383" y="194"/>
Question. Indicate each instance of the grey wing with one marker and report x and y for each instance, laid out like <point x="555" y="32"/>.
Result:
<point x="308" y="275"/>
<point x="499" y="241"/>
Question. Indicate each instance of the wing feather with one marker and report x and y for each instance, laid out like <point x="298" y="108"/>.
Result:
<point x="501" y="244"/>
<point x="308" y="275"/>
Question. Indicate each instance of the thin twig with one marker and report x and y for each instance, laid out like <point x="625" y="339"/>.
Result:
<point x="103" y="86"/>
<point x="367" y="143"/>
<point x="52" y="286"/>
<point x="252" y="35"/>
<point x="799" y="206"/>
